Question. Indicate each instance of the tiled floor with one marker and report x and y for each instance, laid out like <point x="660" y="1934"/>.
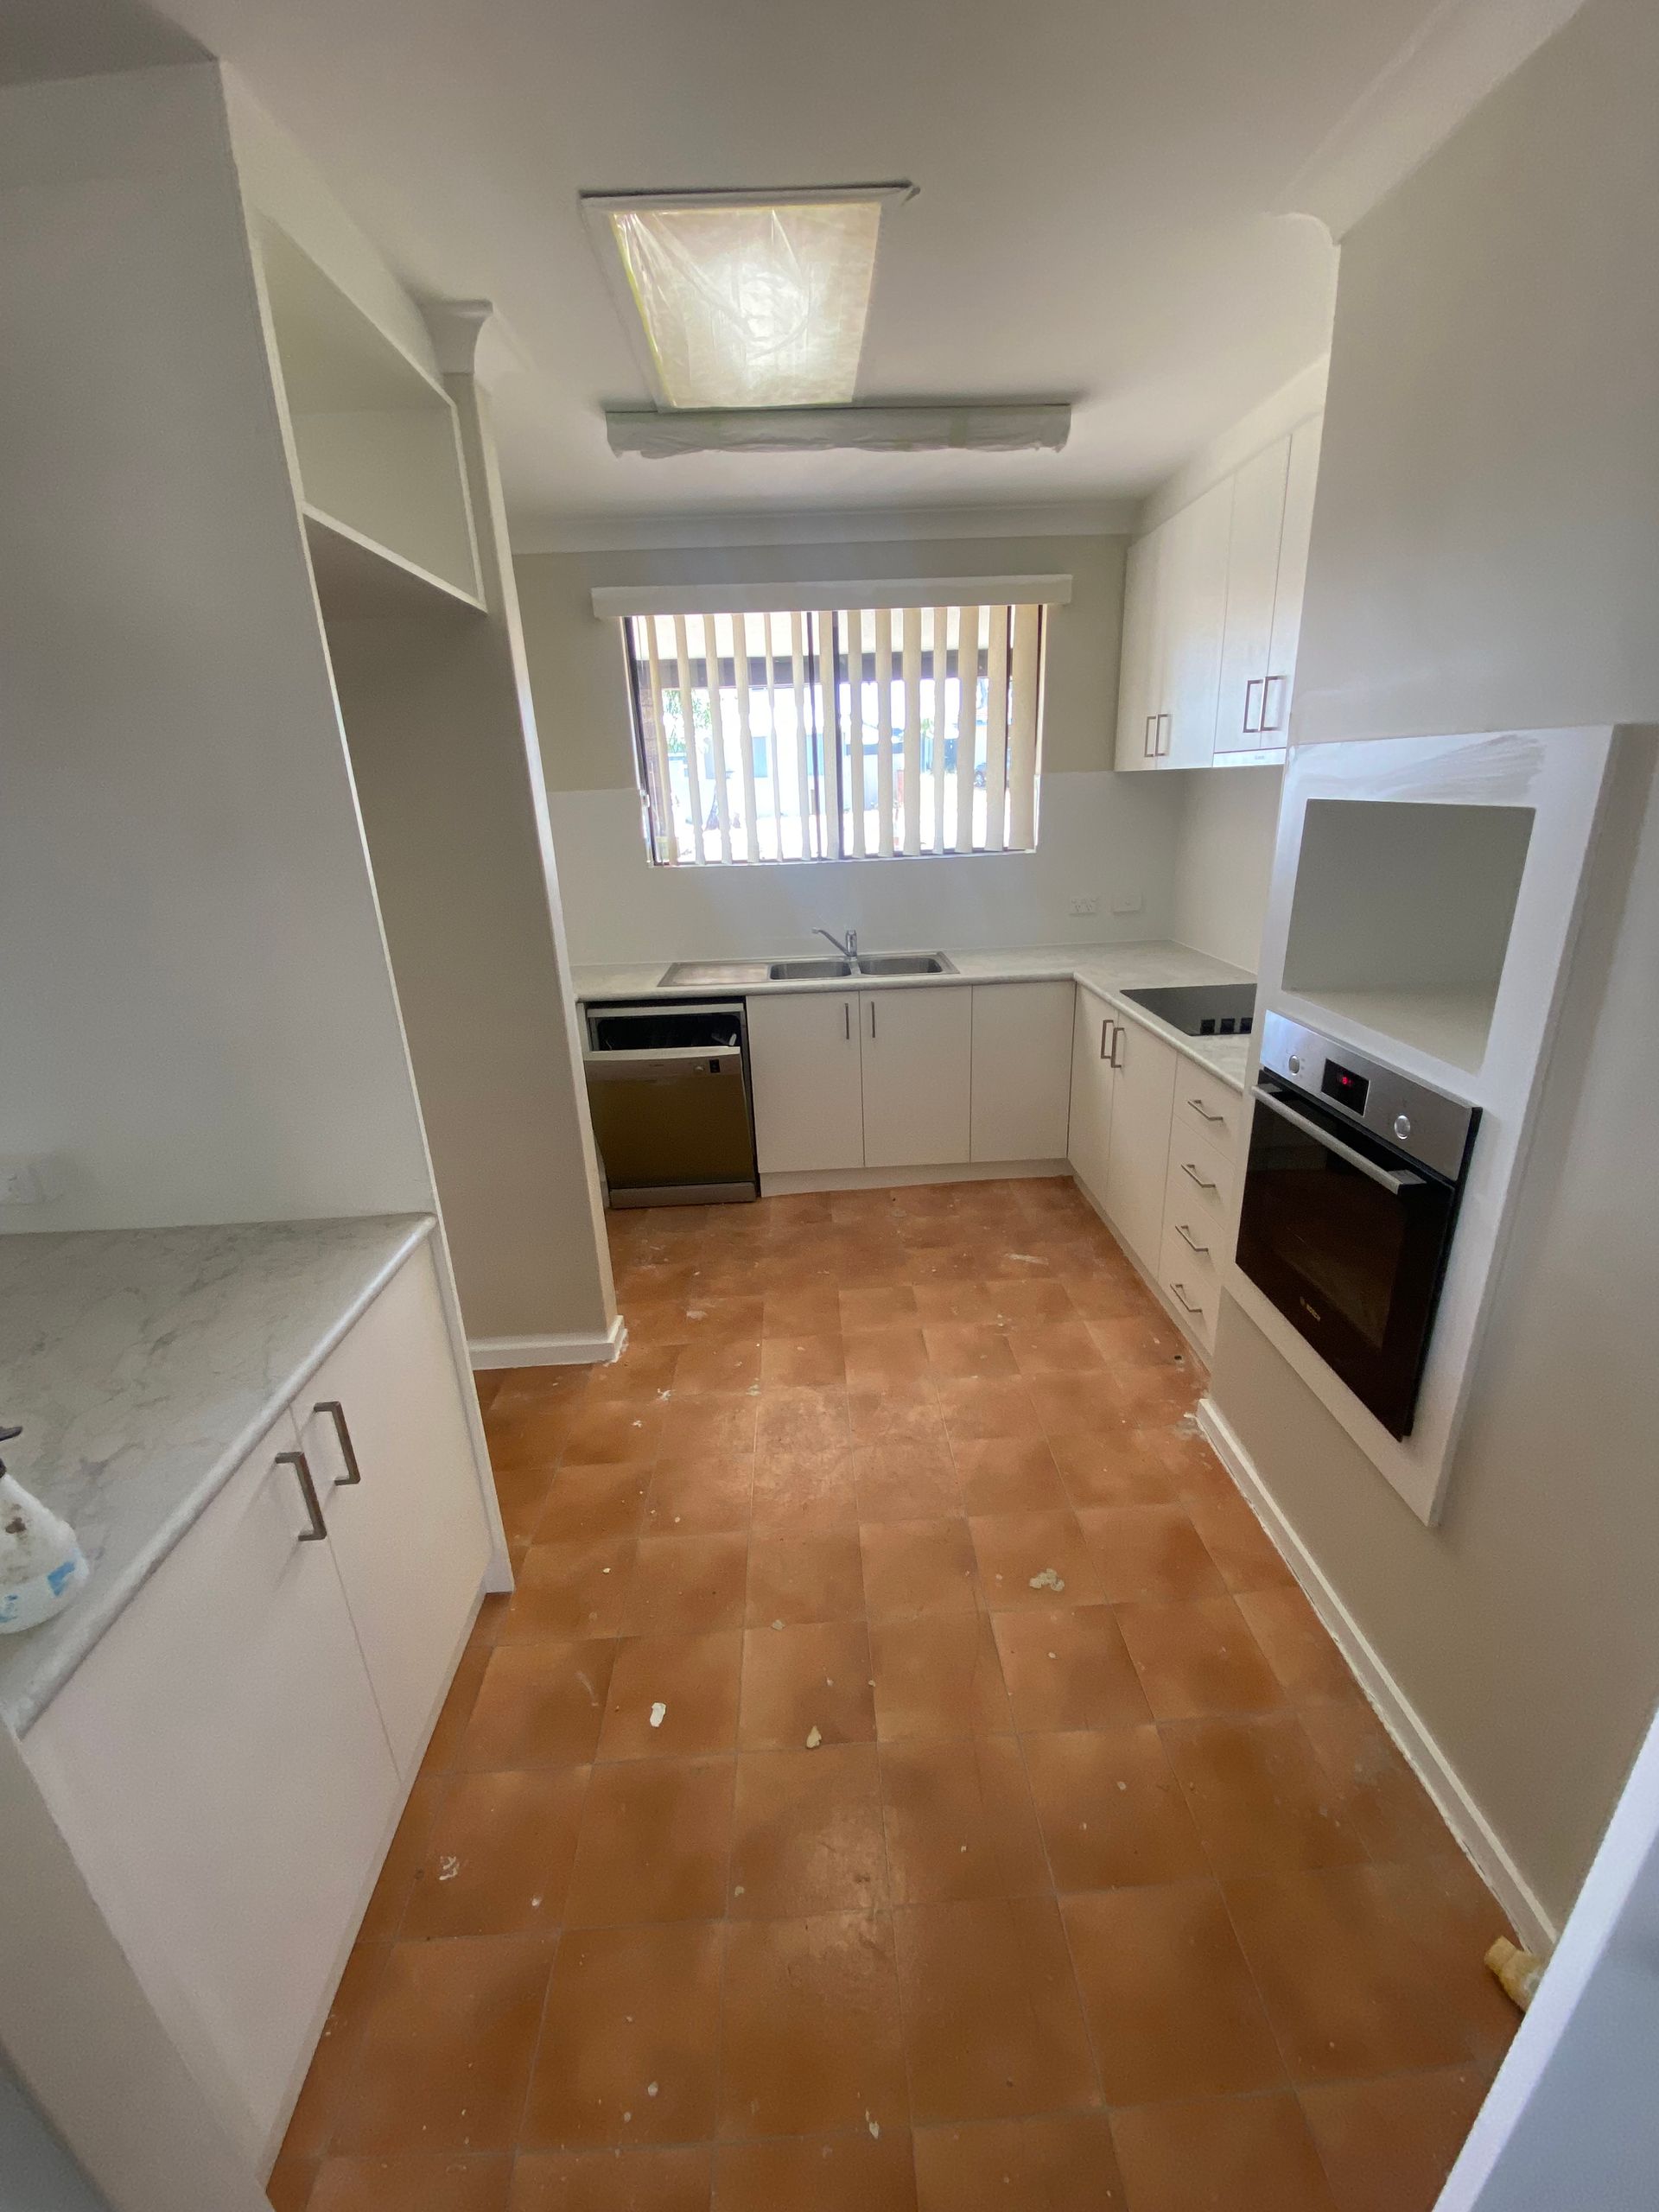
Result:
<point x="905" y="1780"/>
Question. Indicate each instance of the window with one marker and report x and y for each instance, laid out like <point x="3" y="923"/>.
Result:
<point x="837" y="734"/>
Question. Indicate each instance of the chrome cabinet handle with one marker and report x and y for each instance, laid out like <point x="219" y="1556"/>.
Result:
<point x="1104" y="1054"/>
<point x="1187" y="1238"/>
<point x="1271" y="721"/>
<point x="1201" y="1110"/>
<point x="1117" y="1038"/>
<point x="319" y="1529"/>
<point x="1165" y="722"/>
<point x="336" y="1414"/>
<point x="1146" y="737"/>
<point x="846" y="1019"/>
<point x="1251" y="726"/>
<point x="1187" y="1168"/>
<point x="872" y="1021"/>
<point x="1178" y="1291"/>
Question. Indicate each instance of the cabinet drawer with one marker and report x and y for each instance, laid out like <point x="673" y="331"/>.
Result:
<point x="1200" y="1174"/>
<point x="1206" y="1106"/>
<point x="1191" y="1283"/>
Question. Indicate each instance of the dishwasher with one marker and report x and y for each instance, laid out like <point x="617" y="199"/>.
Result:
<point x="668" y="1086"/>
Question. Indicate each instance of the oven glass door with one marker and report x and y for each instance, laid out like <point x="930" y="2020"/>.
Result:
<point x="1348" y="1241"/>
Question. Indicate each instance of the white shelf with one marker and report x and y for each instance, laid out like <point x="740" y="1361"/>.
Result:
<point x="358" y="578"/>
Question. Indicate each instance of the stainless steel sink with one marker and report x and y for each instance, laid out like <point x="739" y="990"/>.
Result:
<point x="904" y="964"/>
<point x="807" y="971"/>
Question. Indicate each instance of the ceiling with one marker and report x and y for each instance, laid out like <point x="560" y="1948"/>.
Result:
<point x="1092" y="222"/>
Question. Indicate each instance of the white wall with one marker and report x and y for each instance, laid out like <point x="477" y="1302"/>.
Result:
<point x="1102" y="836"/>
<point x="39" y="2175"/>
<point x="1484" y="555"/>
<point x="1223" y="861"/>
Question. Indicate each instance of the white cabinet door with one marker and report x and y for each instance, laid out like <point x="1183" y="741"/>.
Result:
<point x="805" y="1067"/>
<point x="218" y="1767"/>
<point x="1142" y="1097"/>
<point x="1021" y="1071"/>
<point x="1195" y="604"/>
<point x="1140" y="675"/>
<point x="409" y="1533"/>
<point x="1299" y="484"/>
<point x="917" y="1050"/>
<point x="1089" y="1145"/>
<point x="1252" y="578"/>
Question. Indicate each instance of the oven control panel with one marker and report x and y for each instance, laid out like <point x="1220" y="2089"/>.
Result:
<point x="1430" y="1126"/>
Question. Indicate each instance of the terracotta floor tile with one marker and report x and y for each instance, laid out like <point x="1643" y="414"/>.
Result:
<point x="1116" y="1466"/>
<point x="1192" y="1468"/>
<point x="1145" y="1338"/>
<point x="967" y="1348"/>
<point x="801" y="1313"/>
<point x="1456" y="1922"/>
<point x="1068" y="1667"/>
<point x="806" y="1833"/>
<point x="629" y="2051"/>
<point x="797" y="1421"/>
<point x="815" y="1675"/>
<point x="717" y="1365"/>
<point x="1029" y="1305"/>
<point x="986" y="1406"/>
<point x="1298" y="1651"/>
<point x="1066" y="1403"/>
<point x="875" y="1356"/>
<point x="695" y="1680"/>
<point x="798" y="1492"/>
<point x="653" y="1845"/>
<point x="1388" y="2146"/>
<point x="575" y="1585"/>
<point x="682" y="1585"/>
<point x="992" y="2024"/>
<point x="527" y="1433"/>
<point x="540" y="1704"/>
<point x="521" y="1494"/>
<point x="968" y="1301"/>
<point x="499" y="1855"/>
<point x="1198" y="1658"/>
<point x="1239" y="1545"/>
<point x="937" y="1678"/>
<point x="1261" y="1796"/>
<point x="1061" y="2163"/>
<point x="1055" y="1348"/>
<point x="417" y="2182"/>
<point x="1009" y="1475"/>
<point x="646" y="1370"/>
<point x="1013" y="1547"/>
<point x="904" y="1411"/>
<point x="804" y="1578"/>
<point x="591" y="1503"/>
<point x="1148" y="1553"/>
<point x="907" y="1480"/>
<point x="1375" y="1788"/>
<point x="446" y="2048"/>
<point x="1350" y="1971"/>
<point x="810" y="2036"/>
<point x="1106" y="1295"/>
<point x="1110" y="1810"/>
<point x="703" y="1425"/>
<point x="700" y="1497"/>
<point x="291" y="2182"/>
<point x="891" y="1307"/>
<point x="937" y="1261"/>
<point x="386" y="1906"/>
<point x="810" y="1362"/>
<point x="1246" y="2151"/>
<point x="917" y="1568"/>
<point x="603" y="1436"/>
<point x="313" y="2119"/>
<point x="676" y="2180"/>
<point x="959" y="1822"/>
<point x="700" y="1316"/>
<point x="817" y="2173"/>
<point x="1170" y="2000"/>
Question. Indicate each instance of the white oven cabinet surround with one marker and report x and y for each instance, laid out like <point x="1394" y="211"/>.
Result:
<point x="227" y="1734"/>
<point x="1496" y="1063"/>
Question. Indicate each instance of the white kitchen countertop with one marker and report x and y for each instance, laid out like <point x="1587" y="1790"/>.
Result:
<point x="144" y="1364"/>
<point x="1109" y="969"/>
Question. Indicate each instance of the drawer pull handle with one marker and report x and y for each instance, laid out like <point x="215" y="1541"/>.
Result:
<point x="319" y="1529"/>
<point x="1187" y="1168"/>
<point x="1105" y="1026"/>
<point x="336" y="1414"/>
<point x="847" y="1006"/>
<point x="1178" y="1292"/>
<point x="1203" y="1111"/>
<point x="1187" y="1238"/>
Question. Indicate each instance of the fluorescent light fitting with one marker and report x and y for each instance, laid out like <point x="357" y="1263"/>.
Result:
<point x="659" y="436"/>
<point x="745" y="299"/>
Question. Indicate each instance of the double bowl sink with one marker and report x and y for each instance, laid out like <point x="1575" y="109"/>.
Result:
<point x="730" y="975"/>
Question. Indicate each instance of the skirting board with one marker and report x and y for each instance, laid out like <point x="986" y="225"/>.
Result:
<point x="1412" y="1739"/>
<point x="892" y="1178"/>
<point x="549" y="1351"/>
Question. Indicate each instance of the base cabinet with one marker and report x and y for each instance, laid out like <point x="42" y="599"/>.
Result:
<point x="917" y="1049"/>
<point x="1021" y="1071"/>
<point x="806" y="1072"/>
<point x="1143" y="1092"/>
<point x="1088" y="1147"/>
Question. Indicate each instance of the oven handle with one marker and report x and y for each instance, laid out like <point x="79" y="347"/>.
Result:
<point x="1392" y="1183"/>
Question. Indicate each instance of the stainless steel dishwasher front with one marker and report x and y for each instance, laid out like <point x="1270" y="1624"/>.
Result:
<point x="668" y="1085"/>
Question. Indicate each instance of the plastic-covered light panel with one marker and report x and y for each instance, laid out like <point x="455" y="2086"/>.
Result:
<point x="748" y="306"/>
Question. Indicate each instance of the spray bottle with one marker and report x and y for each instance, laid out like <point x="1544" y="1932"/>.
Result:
<point x="42" y="1564"/>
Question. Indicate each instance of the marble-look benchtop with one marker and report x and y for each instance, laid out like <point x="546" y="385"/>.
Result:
<point x="144" y="1365"/>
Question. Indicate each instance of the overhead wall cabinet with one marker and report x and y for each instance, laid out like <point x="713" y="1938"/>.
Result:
<point x="1212" y="610"/>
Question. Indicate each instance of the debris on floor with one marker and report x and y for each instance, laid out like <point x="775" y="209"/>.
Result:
<point x="658" y="1713"/>
<point x="1048" y="1580"/>
<point x="814" y="1737"/>
<point x="1518" y="1972"/>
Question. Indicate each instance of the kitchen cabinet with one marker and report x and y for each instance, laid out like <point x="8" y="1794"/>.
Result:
<point x="383" y="1429"/>
<point x="806" y="1075"/>
<point x="1267" y="570"/>
<point x="1090" y="1137"/>
<point x="1022" y="1083"/>
<point x="917" y="1051"/>
<point x="1175" y="605"/>
<point x="1143" y="1089"/>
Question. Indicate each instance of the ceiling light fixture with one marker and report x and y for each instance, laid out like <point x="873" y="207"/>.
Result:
<point x="744" y="299"/>
<point x="658" y="436"/>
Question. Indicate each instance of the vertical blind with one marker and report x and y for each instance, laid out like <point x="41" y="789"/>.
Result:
<point x="852" y="734"/>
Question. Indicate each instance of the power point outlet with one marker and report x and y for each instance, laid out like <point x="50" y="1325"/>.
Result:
<point x="28" y="1182"/>
<point x="1083" y="906"/>
<point x="1128" y="902"/>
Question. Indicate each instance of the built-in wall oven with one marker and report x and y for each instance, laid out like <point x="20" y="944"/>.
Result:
<point x="1350" y="1198"/>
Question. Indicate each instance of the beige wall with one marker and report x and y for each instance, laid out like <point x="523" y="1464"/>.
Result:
<point x="1486" y="553"/>
<point x="1223" y="861"/>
